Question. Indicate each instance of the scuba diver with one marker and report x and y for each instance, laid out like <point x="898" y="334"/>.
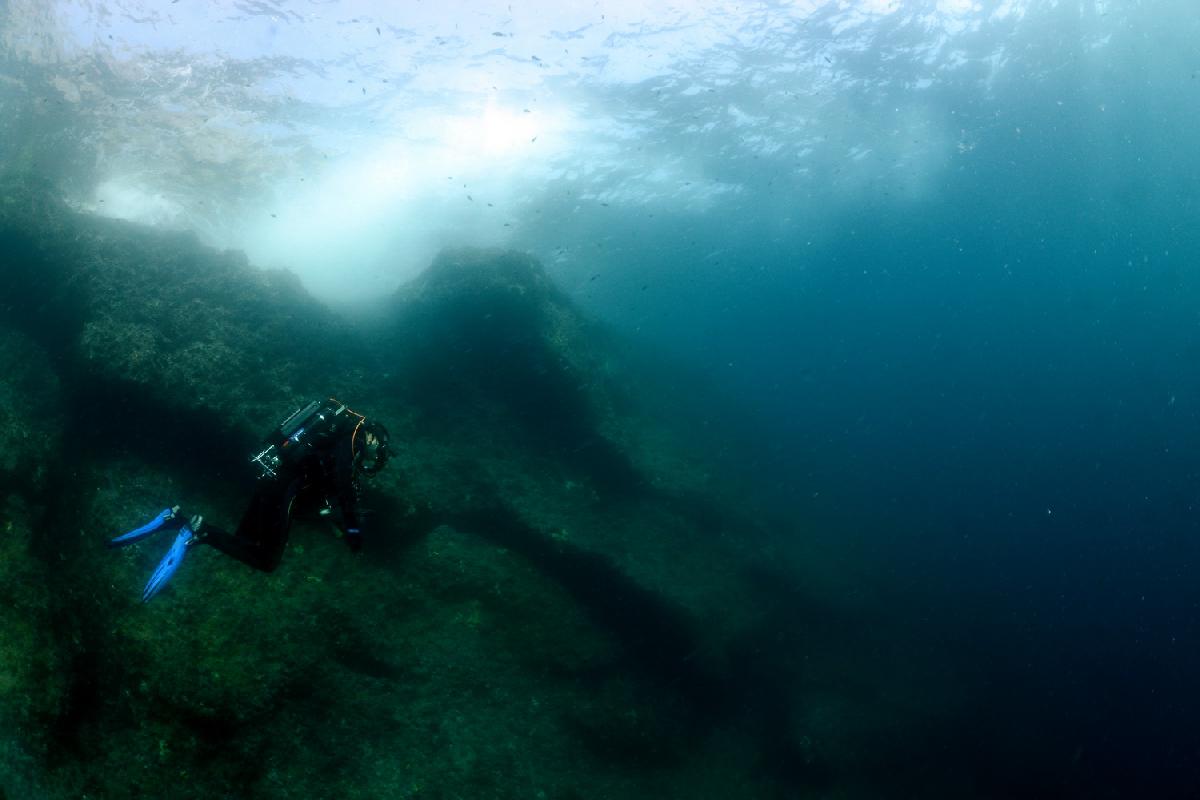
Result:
<point x="318" y="453"/>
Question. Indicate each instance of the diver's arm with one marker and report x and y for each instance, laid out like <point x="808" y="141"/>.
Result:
<point x="348" y="493"/>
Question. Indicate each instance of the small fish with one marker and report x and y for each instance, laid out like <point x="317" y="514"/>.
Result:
<point x="472" y="199"/>
<point x="597" y="275"/>
<point x="377" y="31"/>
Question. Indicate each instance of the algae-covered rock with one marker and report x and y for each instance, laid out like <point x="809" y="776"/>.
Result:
<point x="32" y="681"/>
<point x="31" y="412"/>
<point x="488" y="329"/>
<point x="33" y="677"/>
<point x="540" y="414"/>
<point x="160" y="316"/>
<point x="479" y="676"/>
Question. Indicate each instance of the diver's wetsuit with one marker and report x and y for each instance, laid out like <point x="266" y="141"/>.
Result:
<point x="326" y="471"/>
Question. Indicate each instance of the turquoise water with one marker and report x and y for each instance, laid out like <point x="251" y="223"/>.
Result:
<point x="941" y="258"/>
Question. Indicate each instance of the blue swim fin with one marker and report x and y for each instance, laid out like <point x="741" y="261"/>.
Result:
<point x="169" y="564"/>
<point x="137" y="534"/>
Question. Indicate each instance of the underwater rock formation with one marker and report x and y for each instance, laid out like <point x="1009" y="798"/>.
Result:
<point x="551" y="600"/>
<point x="32" y="678"/>
<point x="490" y="328"/>
<point x="157" y="315"/>
<point x="491" y="355"/>
<point x="31" y="413"/>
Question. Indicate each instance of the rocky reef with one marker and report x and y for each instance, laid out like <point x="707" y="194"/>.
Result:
<point x="559" y="596"/>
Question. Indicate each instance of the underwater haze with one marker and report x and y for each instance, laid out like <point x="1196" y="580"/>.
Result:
<point x="929" y="271"/>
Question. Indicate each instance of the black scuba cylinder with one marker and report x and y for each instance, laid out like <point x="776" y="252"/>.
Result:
<point x="312" y="425"/>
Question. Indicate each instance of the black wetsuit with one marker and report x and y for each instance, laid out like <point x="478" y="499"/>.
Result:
<point x="326" y="472"/>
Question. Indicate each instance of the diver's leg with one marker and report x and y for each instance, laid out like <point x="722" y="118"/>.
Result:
<point x="248" y="552"/>
<point x="262" y="534"/>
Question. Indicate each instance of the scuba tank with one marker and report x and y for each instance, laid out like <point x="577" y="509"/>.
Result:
<point x="304" y="429"/>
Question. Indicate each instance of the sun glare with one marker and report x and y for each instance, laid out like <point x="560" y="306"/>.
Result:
<point x="497" y="131"/>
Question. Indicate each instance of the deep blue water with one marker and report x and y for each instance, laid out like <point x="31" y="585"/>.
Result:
<point x="989" y="395"/>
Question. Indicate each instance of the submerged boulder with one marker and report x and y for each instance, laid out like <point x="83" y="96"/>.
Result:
<point x="488" y="350"/>
<point x="544" y="417"/>
<point x="487" y="330"/>
<point x="157" y="316"/>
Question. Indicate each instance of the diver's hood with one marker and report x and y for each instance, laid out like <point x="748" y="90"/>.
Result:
<point x="375" y="456"/>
